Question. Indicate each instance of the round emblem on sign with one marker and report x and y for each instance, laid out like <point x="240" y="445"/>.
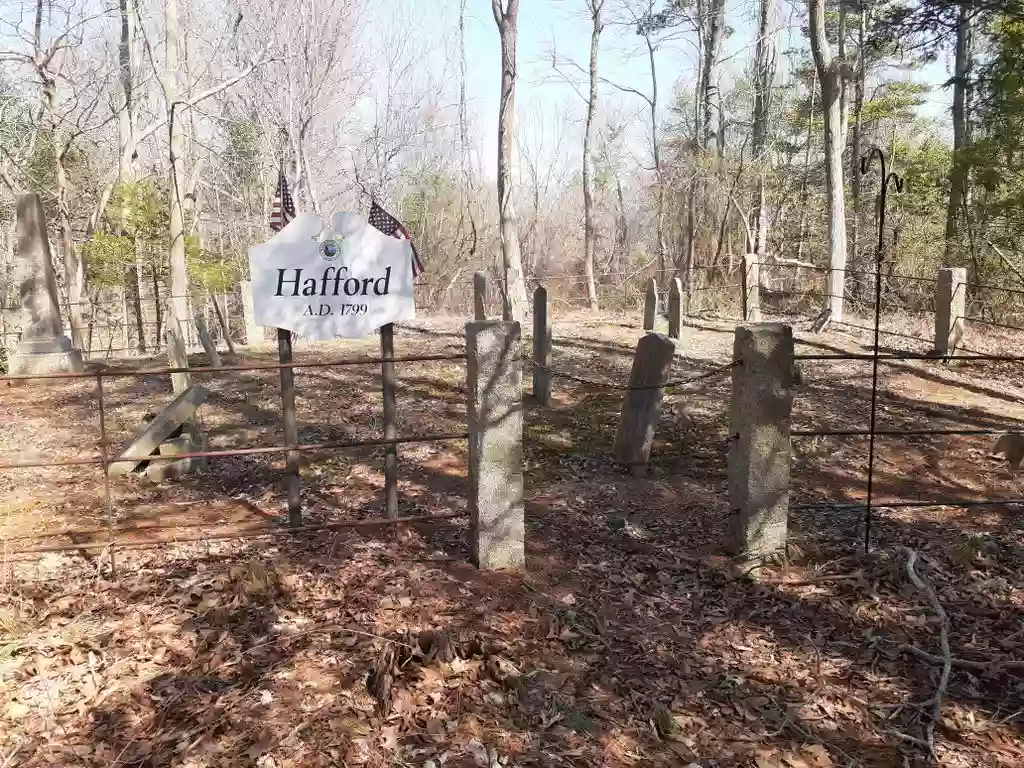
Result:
<point x="330" y="248"/>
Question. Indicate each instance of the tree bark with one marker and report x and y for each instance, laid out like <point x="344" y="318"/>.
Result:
<point x="514" y="284"/>
<point x="856" y="143"/>
<point x="958" y="171"/>
<point x="712" y="47"/>
<point x="178" y="300"/>
<point x="765" y="61"/>
<point x="589" y="236"/>
<point x="831" y="76"/>
<point x="802" y="231"/>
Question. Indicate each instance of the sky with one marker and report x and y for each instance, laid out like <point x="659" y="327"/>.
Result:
<point x="543" y="96"/>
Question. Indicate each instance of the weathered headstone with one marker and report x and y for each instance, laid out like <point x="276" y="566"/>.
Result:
<point x="651" y="305"/>
<point x="675" y="308"/>
<point x="541" y="347"/>
<point x="495" y="444"/>
<point x="171" y="469"/>
<point x="751" y="288"/>
<point x="642" y="406"/>
<point x="207" y="341"/>
<point x="759" y="451"/>
<point x="950" y="308"/>
<point x="43" y="347"/>
<point x="179" y="414"/>
<point x="479" y="297"/>
<point x="253" y="332"/>
<point x="821" y="322"/>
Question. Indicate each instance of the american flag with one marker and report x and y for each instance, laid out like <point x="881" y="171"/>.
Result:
<point x="384" y="222"/>
<point x="283" y="209"/>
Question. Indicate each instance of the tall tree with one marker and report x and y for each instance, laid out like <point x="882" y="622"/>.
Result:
<point x="764" y="80"/>
<point x="963" y="64"/>
<point x="506" y="16"/>
<point x="595" y="8"/>
<point x="832" y="75"/>
<point x="176" y="177"/>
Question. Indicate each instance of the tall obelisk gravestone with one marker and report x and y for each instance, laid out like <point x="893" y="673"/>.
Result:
<point x="43" y="347"/>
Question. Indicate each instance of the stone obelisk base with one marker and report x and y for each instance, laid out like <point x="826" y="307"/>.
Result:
<point x="41" y="356"/>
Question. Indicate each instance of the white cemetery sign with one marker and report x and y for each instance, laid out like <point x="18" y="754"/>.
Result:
<point x="324" y="280"/>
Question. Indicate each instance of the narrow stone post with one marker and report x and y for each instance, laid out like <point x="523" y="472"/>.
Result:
<point x="759" y="424"/>
<point x="642" y="407"/>
<point x="253" y="332"/>
<point x="950" y="309"/>
<point x="495" y="444"/>
<point x="541" y="347"/>
<point x="675" y="308"/>
<point x="206" y="340"/>
<point x="751" y="288"/>
<point x="651" y="305"/>
<point x="479" y="297"/>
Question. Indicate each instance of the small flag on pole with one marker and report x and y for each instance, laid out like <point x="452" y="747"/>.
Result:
<point x="283" y="209"/>
<point x="384" y="222"/>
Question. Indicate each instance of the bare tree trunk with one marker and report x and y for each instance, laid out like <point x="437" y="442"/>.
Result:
<point x="589" y="237"/>
<point x="765" y="61"/>
<point x="831" y="75"/>
<point x="656" y="156"/>
<point x="856" y="148"/>
<point x="178" y="266"/>
<point x="710" y="96"/>
<point x="802" y="231"/>
<point x="958" y="172"/>
<point x="514" y="284"/>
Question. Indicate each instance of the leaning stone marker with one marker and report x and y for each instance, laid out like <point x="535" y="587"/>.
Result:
<point x="651" y="305"/>
<point x="207" y="341"/>
<point x="43" y="347"/>
<point x="178" y="415"/>
<point x="642" y="407"/>
<point x="494" y="375"/>
<point x="759" y="423"/>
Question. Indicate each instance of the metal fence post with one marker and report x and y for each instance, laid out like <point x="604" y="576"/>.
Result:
<point x="291" y="425"/>
<point x="387" y="375"/>
<point x="541" y="347"/>
<point x="759" y="446"/>
<point x="479" y="297"/>
<point x="950" y="309"/>
<point x="495" y="444"/>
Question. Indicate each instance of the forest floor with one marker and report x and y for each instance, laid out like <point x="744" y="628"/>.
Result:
<point x="628" y="641"/>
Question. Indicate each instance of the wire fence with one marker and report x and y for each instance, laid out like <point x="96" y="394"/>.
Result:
<point x="877" y="358"/>
<point x="105" y="461"/>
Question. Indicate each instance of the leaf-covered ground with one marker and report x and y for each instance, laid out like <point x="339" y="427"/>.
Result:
<point x="629" y="641"/>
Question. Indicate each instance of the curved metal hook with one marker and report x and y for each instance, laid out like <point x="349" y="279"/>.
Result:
<point x="890" y="179"/>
